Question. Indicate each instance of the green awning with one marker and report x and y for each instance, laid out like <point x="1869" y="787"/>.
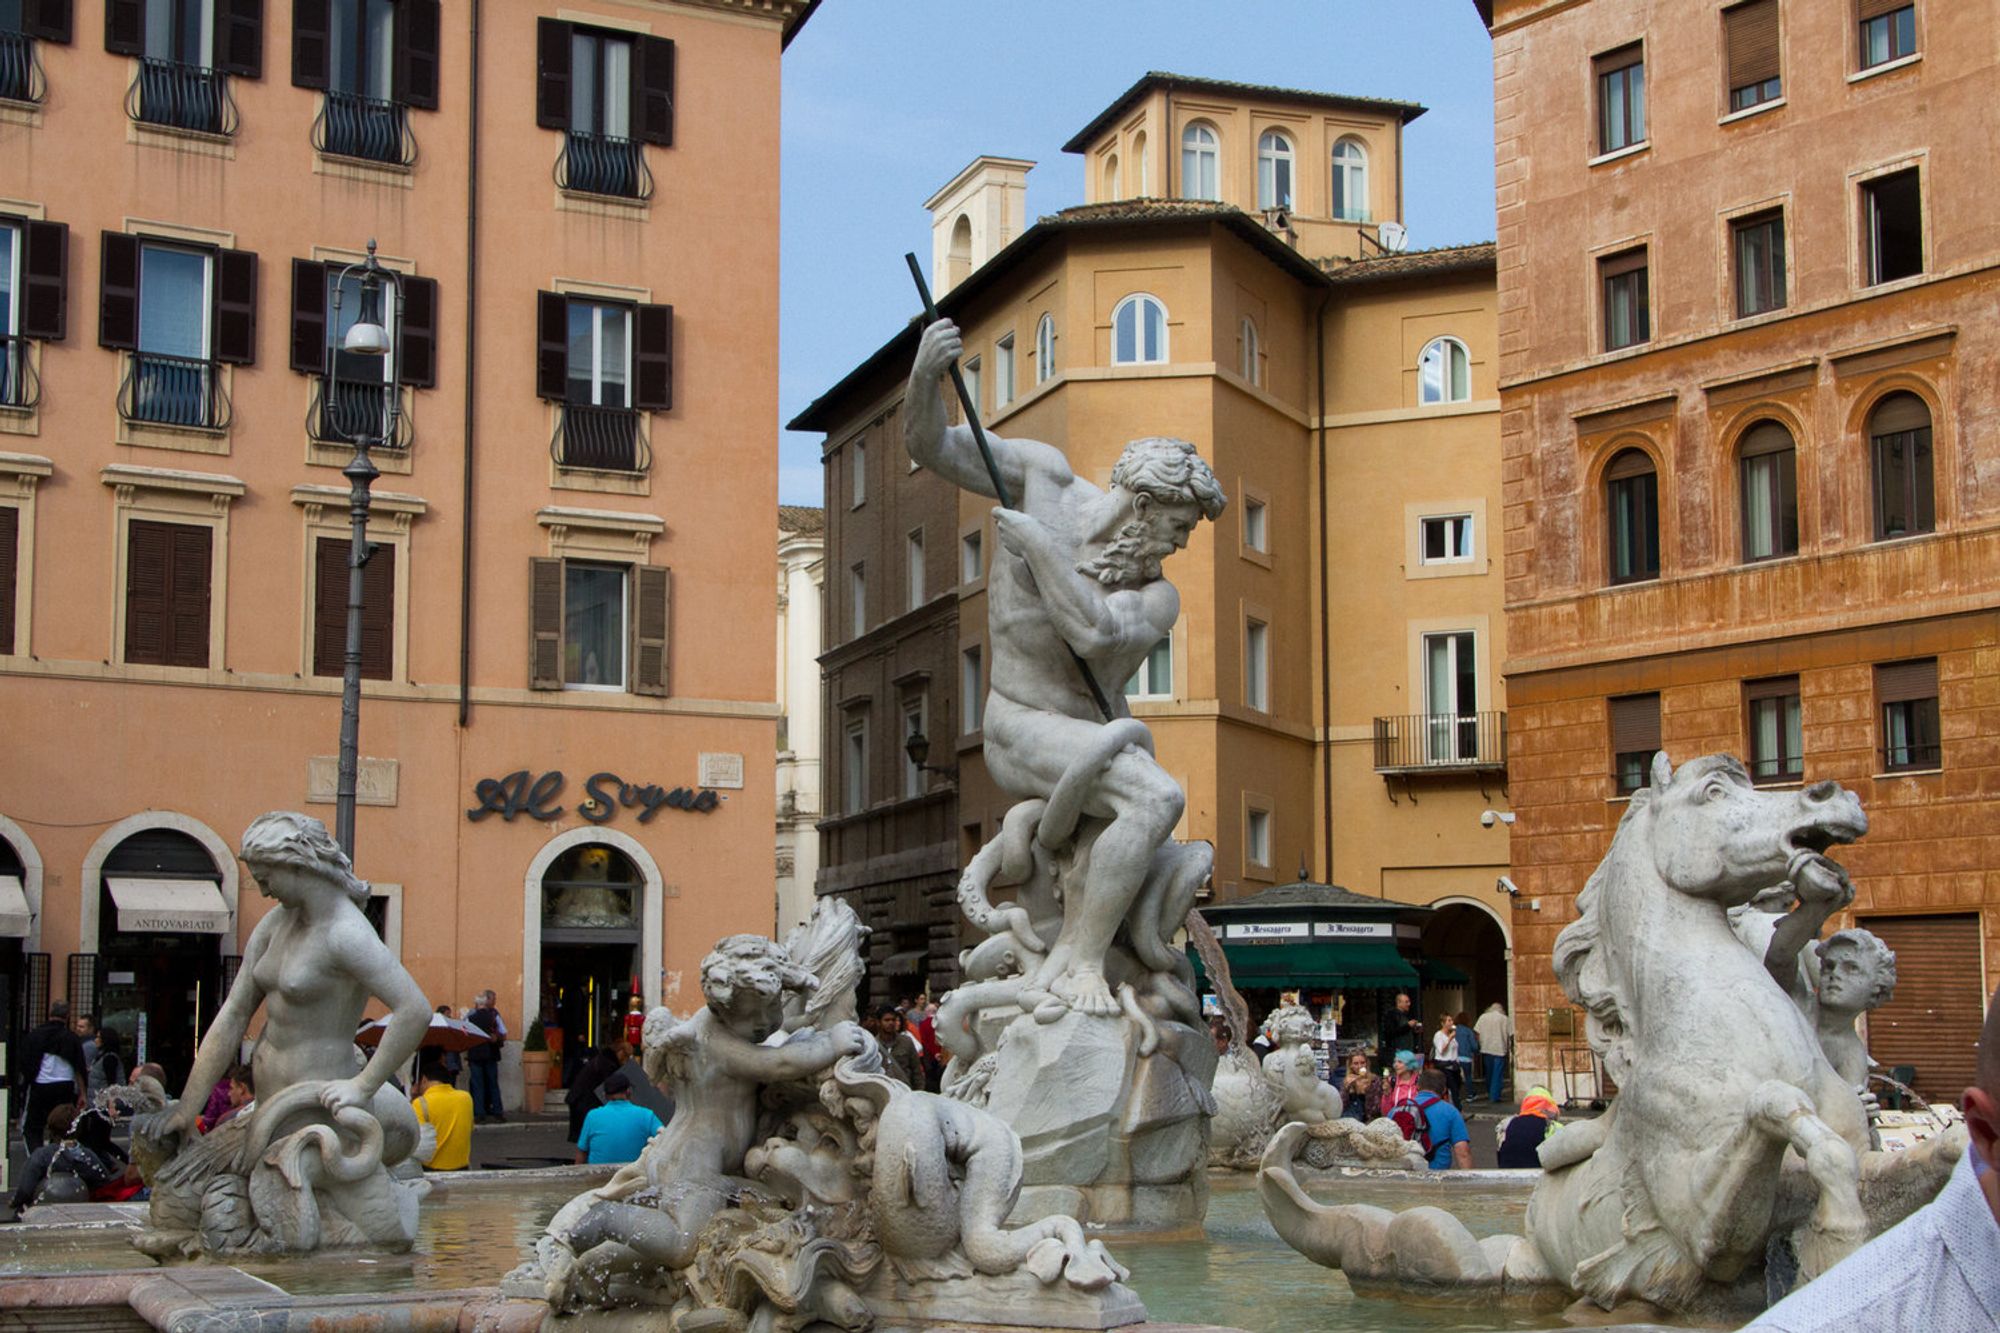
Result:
<point x="1438" y="972"/>
<point x="1329" y="964"/>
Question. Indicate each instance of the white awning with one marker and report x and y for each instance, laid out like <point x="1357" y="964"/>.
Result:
<point x="15" y="918"/>
<point x="150" y="906"/>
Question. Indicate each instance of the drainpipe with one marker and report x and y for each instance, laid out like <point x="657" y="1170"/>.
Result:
<point x="471" y="366"/>
<point x="1325" y="601"/>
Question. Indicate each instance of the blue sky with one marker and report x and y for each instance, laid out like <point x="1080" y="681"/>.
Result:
<point x="885" y="101"/>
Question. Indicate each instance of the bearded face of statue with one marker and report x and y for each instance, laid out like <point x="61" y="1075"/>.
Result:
<point x="1155" y="530"/>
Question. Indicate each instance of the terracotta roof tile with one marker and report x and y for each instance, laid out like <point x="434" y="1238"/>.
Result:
<point x="806" y="520"/>
<point x="1081" y="140"/>
<point x="1412" y="263"/>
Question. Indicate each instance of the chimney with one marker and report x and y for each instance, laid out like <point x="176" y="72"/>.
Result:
<point x="974" y="216"/>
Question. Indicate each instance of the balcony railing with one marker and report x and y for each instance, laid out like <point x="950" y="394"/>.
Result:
<point x="1915" y="756"/>
<point x="173" y="391"/>
<point x="604" y="439"/>
<point x="603" y="164"/>
<point x="350" y="411"/>
<point x="20" y="69"/>
<point x="20" y="387"/>
<point x="181" y="97"/>
<point x="369" y="128"/>
<point x="1427" y="742"/>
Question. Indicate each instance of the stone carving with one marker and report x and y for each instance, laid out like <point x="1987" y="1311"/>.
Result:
<point x="1332" y="1144"/>
<point x="797" y="1186"/>
<point x="1293" y="1073"/>
<point x="1856" y="973"/>
<point x="1246" y="1107"/>
<point x="1676" y="1194"/>
<point x="308" y="1165"/>
<point x="1078" y="1024"/>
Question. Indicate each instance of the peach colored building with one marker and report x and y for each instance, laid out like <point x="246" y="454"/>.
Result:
<point x="563" y="629"/>
<point x="1748" y="273"/>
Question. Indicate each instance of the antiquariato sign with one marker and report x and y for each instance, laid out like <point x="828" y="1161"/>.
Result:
<point x="524" y="792"/>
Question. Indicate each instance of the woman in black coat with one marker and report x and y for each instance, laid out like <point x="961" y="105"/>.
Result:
<point x="582" y="1096"/>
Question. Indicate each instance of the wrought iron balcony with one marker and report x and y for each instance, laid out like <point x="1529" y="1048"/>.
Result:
<point x="603" y="439"/>
<point x="1912" y="756"/>
<point x="20" y="387"/>
<point x="353" y="411"/>
<point x="21" y="77"/>
<point x="1431" y="742"/>
<point x="603" y="164"/>
<point x="369" y="128"/>
<point x="173" y="391"/>
<point x="181" y="97"/>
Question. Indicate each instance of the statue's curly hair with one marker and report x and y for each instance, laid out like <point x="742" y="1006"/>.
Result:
<point x="1170" y="471"/>
<point x="288" y="838"/>
<point x="1870" y="949"/>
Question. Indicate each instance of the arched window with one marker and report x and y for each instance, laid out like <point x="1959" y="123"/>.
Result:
<point x="1138" y="331"/>
<point x="1899" y="442"/>
<point x="1350" y="181"/>
<point x="958" y="258"/>
<point x="1045" y="348"/>
<point x="1444" y="372"/>
<point x="1770" y="481"/>
<point x="1110" y="176"/>
<point x="1201" y="163"/>
<point x="1632" y="507"/>
<point x="1139" y="162"/>
<point x="1253" y="361"/>
<point x="1274" y="170"/>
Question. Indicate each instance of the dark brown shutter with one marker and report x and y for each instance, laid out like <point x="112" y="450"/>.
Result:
<point x="1876" y="8"/>
<point x="545" y="623"/>
<point x="1752" y="33"/>
<point x="1635" y="723"/>
<point x="308" y="317"/>
<point x="1897" y="413"/>
<point x="166" y="593"/>
<point x="189" y="589"/>
<point x="118" y="292"/>
<point x="653" y="91"/>
<point x="1612" y="61"/>
<point x="1628" y="261"/>
<point x="236" y="307"/>
<point x="125" y="27"/>
<point x="418" y="31"/>
<point x="1901" y="682"/>
<point x="329" y="606"/>
<point x="1777" y="687"/>
<point x="552" y="74"/>
<point x="1932" y="1021"/>
<point x="378" y="610"/>
<point x="311" y="43"/>
<point x="1630" y="463"/>
<point x="416" y="354"/>
<point x="650" y="619"/>
<point x="45" y="281"/>
<point x="239" y="37"/>
<point x="10" y="569"/>
<point x="653" y="359"/>
<point x="378" y="614"/>
<point x="552" y="345"/>
<point x="49" y="20"/>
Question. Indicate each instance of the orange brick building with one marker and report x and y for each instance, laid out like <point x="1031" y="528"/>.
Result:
<point x="1751" y="497"/>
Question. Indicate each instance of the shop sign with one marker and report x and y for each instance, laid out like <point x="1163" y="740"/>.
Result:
<point x="1355" y="930"/>
<point x="523" y="792"/>
<point x="1268" y="930"/>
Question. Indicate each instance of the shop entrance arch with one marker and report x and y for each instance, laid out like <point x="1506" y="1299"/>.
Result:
<point x="592" y="929"/>
<point x="1466" y="959"/>
<point x="24" y="969"/>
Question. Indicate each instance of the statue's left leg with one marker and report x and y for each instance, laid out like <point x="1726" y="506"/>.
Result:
<point x="1838" y="1225"/>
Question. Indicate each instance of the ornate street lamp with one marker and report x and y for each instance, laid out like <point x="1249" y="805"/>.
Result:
<point x="372" y="337"/>
<point x="917" y="747"/>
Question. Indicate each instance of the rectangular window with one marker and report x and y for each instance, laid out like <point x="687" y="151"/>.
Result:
<point x="1155" y="677"/>
<point x="1751" y="32"/>
<point x="600" y="353"/>
<point x="1892" y="216"/>
<point x="1451" y="697"/>
<point x="360" y="34"/>
<point x="1908" y="695"/>
<point x="594" y="626"/>
<point x="600" y="84"/>
<point x="1257" y="665"/>
<point x="1770" y="494"/>
<point x="1003" y="371"/>
<point x="378" y="609"/>
<point x="13" y="350"/>
<point x="1621" y="98"/>
<point x="971" y="689"/>
<point x="1256" y="526"/>
<point x="913" y="564"/>
<point x="10" y="573"/>
<point x="1888" y="31"/>
<point x="1635" y="738"/>
<point x="857" y="468"/>
<point x="1632" y="508"/>
<point x="1447" y="539"/>
<point x="1257" y="838"/>
<point x="913" y="725"/>
<point x="971" y="557"/>
<point x="167" y="579"/>
<point x="854" y="767"/>
<point x="1627" y="306"/>
<point x="971" y="372"/>
<point x="1759" y="243"/>
<point x="1776" y="731"/>
<point x="857" y="600"/>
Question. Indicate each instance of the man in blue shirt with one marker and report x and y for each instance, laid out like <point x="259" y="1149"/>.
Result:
<point x="617" y="1131"/>
<point x="1451" y="1142"/>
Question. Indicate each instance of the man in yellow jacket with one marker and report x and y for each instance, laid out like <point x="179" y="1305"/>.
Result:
<point x="449" y="1111"/>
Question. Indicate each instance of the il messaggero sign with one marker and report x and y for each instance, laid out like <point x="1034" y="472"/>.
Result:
<point x="522" y="792"/>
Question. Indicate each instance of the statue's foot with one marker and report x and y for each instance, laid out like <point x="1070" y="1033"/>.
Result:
<point x="1084" y="991"/>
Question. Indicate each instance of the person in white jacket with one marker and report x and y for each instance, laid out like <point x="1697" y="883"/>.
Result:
<point x="1496" y="1042"/>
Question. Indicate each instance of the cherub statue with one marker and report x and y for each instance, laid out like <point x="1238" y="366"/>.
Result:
<point x="1293" y="1073"/>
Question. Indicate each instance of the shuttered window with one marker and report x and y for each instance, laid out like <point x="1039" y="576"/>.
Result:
<point x="167" y="593"/>
<point x="43" y="299"/>
<point x="1635" y="738"/>
<point x="1626" y="299"/>
<point x="571" y="362"/>
<point x="378" y="610"/>
<point x="172" y="31"/>
<point x="10" y="566"/>
<point x="380" y="48"/>
<point x="1621" y="97"/>
<point x="49" y="20"/>
<point x="311" y="339"/>
<point x="592" y="87"/>
<point x="170" y="277"/>
<point x="1751" y="33"/>
<point x="599" y="626"/>
<point x="1932" y="1021"/>
<point x="1907" y="695"/>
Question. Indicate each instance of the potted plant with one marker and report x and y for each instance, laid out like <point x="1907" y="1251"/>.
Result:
<point x="534" y="1068"/>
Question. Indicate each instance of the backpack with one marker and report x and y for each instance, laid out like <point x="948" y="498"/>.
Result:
<point x="1410" y="1118"/>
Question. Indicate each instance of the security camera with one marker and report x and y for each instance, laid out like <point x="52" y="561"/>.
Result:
<point x="1508" y="887"/>
<point x="1488" y="818"/>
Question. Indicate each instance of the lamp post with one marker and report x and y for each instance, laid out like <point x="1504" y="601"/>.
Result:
<point x="372" y="338"/>
<point x="917" y="748"/>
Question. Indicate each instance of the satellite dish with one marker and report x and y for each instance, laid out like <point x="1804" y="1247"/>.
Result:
<point x="1394" y="237"/>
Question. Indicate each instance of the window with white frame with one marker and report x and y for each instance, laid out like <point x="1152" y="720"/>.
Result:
<point x="1138" y="331"/>
<point x="1451" y="697"/>
<point x="594" y="633"/>
<point x="1045" y="348"/>
<point x="1155" y="677"/>
<point x="854" y="767"/>
<point x="857" y="599"/>
<point x="857" y="469"/>
<point x="600" y="353"/>
<point x="1444" y="372"/>
<point x="913" y="566"/>
<point x="1252" y="363"/>
<point x="1003" y="371"/>
<point x="1257" y="837"/>
<point x="1350" y="181"/>
<point x="1274" y="170"/>
<point x="1201" y="162"/>
<point x="972" y="556"/>
<point x="971" y="689"/>
<point x="1445" y="539"/>
<point x="914" y="720"/>
<point x="1257" y="665"/>
<point x="971" y="373"/>
<point x="1256" y="525"/>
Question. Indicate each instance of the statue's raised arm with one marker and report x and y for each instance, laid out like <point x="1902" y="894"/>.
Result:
<point x="951" y="450"/>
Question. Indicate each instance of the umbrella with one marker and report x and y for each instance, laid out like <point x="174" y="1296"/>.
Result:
<point x="445" y="1034"/>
